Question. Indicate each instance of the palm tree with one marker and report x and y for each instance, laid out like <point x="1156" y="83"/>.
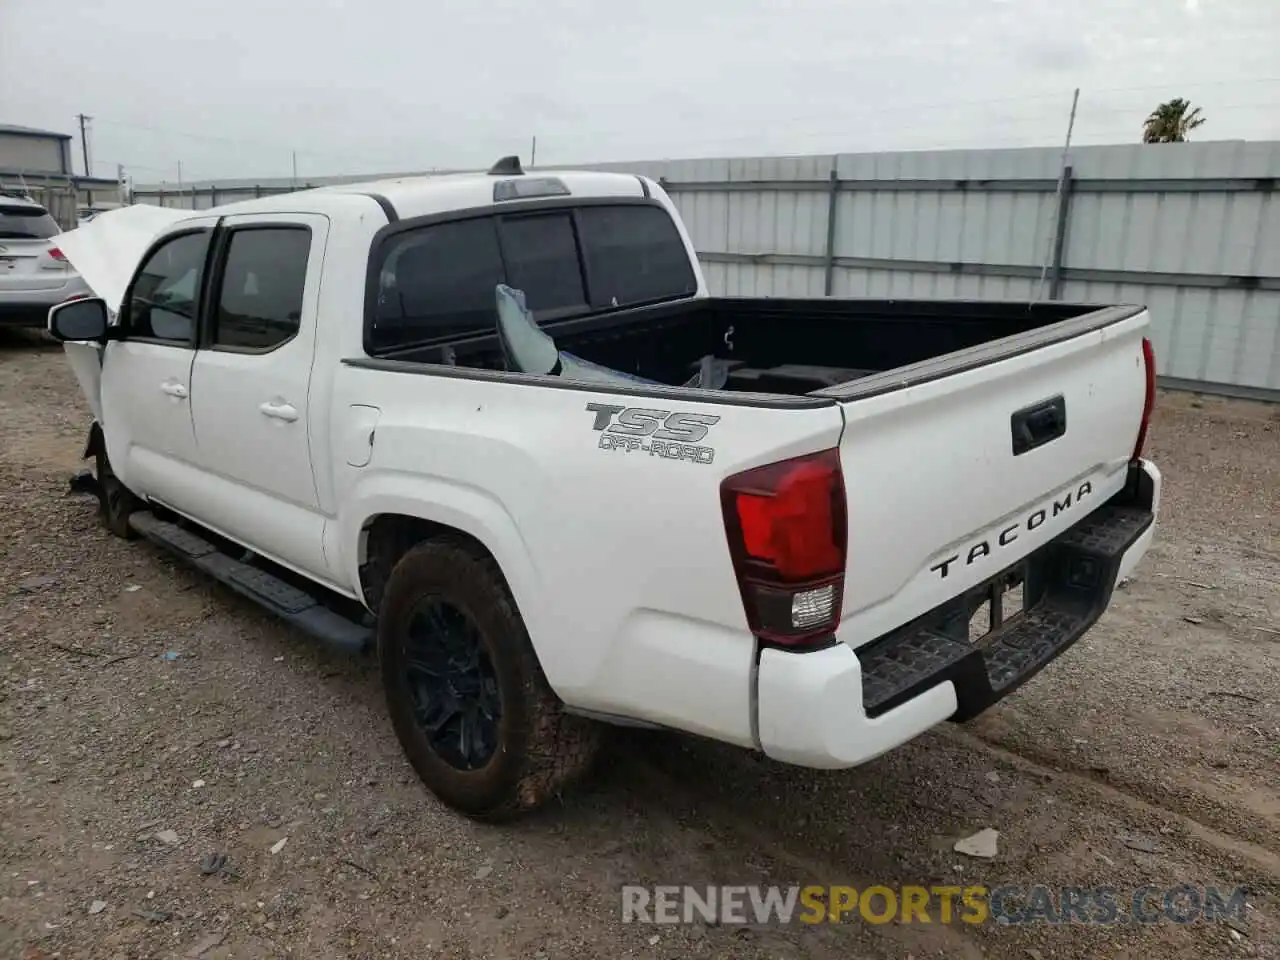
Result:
<point x="1171" y="122"/>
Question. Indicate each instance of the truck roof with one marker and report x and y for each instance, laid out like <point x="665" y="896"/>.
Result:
<point x="429" y="194"/>
<point x="108" y="246"/>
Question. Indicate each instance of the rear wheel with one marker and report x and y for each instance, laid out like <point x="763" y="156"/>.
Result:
<point x="467" y="696"/>
<point x="115" y="501"/>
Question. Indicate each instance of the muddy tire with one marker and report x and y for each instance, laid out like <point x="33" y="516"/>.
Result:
<point x="467" y="696"/>
<point x="115" y="501"/>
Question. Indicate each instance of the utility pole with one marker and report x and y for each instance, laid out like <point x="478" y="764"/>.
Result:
<point x="1062" y="182"/>
<point x="295" y="168"/>
<point x="533" y="152"/>
<point x="84" y="143"/>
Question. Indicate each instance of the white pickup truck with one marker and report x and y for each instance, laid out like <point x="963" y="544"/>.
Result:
<point x="310" y="397"/>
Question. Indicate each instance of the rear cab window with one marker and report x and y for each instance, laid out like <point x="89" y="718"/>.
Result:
<point x="633" y="255"/>
<point x="26" y="222"/>
<point x="437" y="281"/>
<point x="541" y="258"/>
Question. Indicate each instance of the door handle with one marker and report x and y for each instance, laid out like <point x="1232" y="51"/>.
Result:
<point x="174" y="389"/>
<point x="279" y="411"/>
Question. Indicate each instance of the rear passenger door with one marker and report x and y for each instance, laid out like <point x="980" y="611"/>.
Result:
<point x="249" y="385"/>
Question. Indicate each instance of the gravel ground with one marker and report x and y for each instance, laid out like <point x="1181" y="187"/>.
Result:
<point x="150" y="718"/>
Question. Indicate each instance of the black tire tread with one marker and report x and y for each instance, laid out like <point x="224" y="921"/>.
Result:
<point x="117" y="522"/>
<point x="558" y="747"/>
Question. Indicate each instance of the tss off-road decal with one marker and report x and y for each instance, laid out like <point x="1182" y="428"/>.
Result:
<point x="668" y="434"/>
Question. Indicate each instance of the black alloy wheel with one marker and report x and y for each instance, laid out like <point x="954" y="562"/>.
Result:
<point x="452" y="684"/>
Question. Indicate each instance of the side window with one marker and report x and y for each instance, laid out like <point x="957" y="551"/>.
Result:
<point x="166" y="291"/>
<point x="438" y="282"/>
<point x="541" y="255"/>
<point x="259" y="300"/>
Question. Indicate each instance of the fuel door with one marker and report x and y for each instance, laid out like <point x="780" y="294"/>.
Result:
<point x="361" y="429"/>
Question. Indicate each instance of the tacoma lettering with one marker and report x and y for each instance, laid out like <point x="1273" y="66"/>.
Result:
<point x="1007" y="536"/>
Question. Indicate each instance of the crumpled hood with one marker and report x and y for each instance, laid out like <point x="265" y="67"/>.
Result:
<point x="106" y="250"/>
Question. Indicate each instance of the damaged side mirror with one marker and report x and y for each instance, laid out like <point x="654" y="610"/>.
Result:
<point x="79" y="320"/>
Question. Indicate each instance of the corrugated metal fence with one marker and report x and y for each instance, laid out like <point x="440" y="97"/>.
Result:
<point x="1190" y="230"/>
<point x="62" y="195"/>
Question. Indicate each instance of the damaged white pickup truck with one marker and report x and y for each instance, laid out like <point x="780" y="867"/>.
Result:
<point x="496" y="425"/>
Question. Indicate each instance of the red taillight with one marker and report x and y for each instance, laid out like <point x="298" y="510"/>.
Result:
<point x="57" y="254"/>
<point x="787" y="533"/>
<point x="1149" y="361"/>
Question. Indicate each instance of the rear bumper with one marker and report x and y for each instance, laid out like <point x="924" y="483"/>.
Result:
<point x="838" y="708"/>
<point x="24" y="315"/>
<point x="30" y="308"/>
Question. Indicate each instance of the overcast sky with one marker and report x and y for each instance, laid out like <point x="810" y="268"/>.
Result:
<point x="233" y="88"/>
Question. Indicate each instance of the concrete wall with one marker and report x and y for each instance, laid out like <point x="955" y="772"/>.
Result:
<point x="1190" y="230"/>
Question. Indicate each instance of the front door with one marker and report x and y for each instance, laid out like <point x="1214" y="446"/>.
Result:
<point x="250" y="382"/>
<point x="146" y="374"/>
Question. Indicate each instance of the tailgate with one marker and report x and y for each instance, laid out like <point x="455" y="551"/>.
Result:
<point x="938" y="499"/>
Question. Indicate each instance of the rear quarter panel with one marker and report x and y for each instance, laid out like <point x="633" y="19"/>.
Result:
<point x="617" y="559"/>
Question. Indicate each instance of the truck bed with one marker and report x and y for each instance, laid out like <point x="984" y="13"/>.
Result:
<point x="776" y="345"/>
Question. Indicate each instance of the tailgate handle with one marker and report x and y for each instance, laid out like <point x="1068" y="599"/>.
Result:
<point x="1038" y="424"/>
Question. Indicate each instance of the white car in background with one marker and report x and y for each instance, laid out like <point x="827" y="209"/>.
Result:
<point x="34" y="274"/>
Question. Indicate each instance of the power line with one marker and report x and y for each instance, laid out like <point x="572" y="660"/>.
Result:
<point x="914" y="109"/>
<point x="238" y="141"/>
<point x="131" y="166"/>
<point x="1095" y="122"/>
<point x="857" y="109"/>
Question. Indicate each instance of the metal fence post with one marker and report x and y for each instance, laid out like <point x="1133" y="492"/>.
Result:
<point x="1060" y="234"/>
<point x="833" y="204"/>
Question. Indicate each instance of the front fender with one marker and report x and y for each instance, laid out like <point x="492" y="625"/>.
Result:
<point x="85" y="360"/>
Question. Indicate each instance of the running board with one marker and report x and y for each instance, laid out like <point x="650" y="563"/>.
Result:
<point x="286" y="601"/>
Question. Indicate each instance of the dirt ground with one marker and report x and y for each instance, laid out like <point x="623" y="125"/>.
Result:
<point x="138" y="698"/>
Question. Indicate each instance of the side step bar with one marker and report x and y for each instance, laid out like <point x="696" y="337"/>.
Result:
<point x="286" y="601"/>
